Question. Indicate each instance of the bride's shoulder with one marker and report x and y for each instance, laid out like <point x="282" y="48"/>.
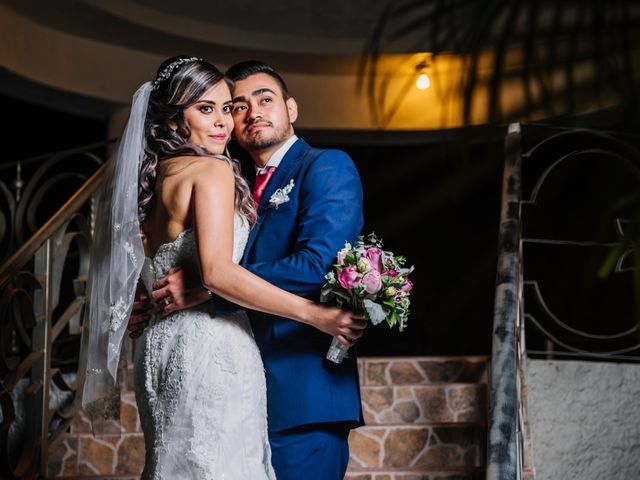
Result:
<point x="195" y="167"/>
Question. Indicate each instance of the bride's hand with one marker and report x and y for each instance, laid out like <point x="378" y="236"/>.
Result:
<point x="181" y="288"/>
<point x="346" y="325"/>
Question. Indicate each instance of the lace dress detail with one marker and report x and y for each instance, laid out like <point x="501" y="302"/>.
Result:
<point x="200" y="385"/>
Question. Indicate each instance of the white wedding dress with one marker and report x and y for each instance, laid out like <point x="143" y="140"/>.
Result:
<point x="200" y="385"/>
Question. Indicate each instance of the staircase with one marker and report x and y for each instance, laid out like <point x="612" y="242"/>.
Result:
<point x="426" y="420"/>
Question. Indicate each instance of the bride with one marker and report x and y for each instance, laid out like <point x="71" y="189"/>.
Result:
<point x="172" y="198"/>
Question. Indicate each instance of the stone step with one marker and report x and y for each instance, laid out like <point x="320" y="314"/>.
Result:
<point x="426" y="448"/>
<point x="425" y="404"/>
<point x="384" y="371"/>
<point x="478" y="474"/>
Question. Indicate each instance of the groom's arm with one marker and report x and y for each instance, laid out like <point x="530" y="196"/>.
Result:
<point x="329" y="214"/>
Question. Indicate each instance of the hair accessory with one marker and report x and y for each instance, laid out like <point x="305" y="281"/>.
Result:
<point x="168" y="70"/>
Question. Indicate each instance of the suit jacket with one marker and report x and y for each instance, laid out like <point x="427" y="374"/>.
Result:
<point x="293" y="246"/>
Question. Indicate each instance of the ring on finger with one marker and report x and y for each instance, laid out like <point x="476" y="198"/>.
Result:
<point x="166" y="301"/>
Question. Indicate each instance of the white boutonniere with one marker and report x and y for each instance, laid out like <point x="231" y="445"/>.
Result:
<point x="281" y="195"/>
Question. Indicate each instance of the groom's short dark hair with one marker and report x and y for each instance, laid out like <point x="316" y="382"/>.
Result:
<point x="242" y="70"/>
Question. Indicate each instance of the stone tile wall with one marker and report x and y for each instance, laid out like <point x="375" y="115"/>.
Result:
<point x="425" y="421"/>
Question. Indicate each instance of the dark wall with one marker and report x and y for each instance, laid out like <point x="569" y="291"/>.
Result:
<point x="31" y="129"/>
<point x="438" y="204"/>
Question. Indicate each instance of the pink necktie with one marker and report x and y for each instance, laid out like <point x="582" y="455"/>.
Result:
<point x="261" y="183"/>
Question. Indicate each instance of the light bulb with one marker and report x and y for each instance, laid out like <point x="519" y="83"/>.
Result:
<point x="423" y="82"/>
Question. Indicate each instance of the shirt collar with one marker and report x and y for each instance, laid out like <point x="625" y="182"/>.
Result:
<point x="278" y="155"/>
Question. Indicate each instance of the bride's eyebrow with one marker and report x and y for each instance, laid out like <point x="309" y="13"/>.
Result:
<point x="211" y="102"/>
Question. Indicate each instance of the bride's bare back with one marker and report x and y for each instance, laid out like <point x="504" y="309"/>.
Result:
<point x="171" y="213"/>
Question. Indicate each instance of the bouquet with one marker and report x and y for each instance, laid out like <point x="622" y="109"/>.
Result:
<point x="366" y="277"/>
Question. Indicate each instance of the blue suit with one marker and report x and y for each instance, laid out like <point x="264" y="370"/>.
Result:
<point x="293" y="246"/>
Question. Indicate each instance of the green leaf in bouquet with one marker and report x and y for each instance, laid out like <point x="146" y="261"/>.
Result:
<point x="390" y="302"/>
<point x="392" y="319"/>
<point x="375" y="311"/>
<point x="350" y="260"/>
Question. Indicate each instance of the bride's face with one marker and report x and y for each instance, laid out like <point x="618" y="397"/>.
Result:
<point x="210" y="120"/>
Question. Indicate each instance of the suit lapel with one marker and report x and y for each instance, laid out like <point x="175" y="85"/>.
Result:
<point x="280" y="178"/>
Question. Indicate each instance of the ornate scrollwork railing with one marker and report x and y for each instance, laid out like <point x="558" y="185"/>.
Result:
<point x="566" y="203"/>
<point x="580" y="196"/>
<point x="31" y="190"/>
<point x="42" y="298"/>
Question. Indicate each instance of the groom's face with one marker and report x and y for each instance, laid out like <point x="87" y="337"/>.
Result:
<point x="262" y="116"/>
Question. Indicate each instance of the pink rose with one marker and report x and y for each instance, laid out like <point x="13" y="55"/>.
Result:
<point x="391" y="273"/>
<point x="372" y="281"/>
<point x="407" y="286"/>
<point x="341" y="255"/>
<point x="348" y="277"/>
<point x="374" y="255"/>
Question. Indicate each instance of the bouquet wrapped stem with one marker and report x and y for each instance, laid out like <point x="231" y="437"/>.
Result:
<point x="337" y="351"/>
<point x="365" y="277"/>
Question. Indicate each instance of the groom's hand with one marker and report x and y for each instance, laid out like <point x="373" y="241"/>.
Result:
<point x="346" y="325"/>
<point x="140" y="314"/>
<point x="181" y="288"/>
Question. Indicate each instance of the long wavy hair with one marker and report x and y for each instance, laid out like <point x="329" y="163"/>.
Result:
<point x="181" y="81"/>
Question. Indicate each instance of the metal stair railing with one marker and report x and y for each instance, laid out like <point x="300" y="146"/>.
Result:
<point x="31" y="320"/>
<point x="507" y="409"/>
<point x="32" y="189"/>
<point x="534" y="215"/>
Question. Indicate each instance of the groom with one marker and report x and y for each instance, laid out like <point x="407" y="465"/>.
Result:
<point x="309" y="203"/>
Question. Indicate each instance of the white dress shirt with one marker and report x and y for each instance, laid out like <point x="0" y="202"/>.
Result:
<point x="278" y="155"/>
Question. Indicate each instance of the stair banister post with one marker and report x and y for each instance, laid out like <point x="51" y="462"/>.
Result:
<point x="502" y="450"/>
<point x="41" y="372"/>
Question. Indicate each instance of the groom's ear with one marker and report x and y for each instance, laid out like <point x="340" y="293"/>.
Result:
<point x="292" y="108"/>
